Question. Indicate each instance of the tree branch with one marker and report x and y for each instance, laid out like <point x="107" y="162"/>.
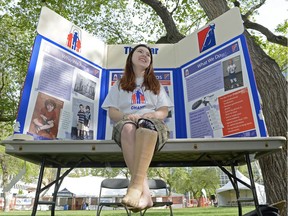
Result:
<point x="271" y="37"/>
<point x="177" y="4"/>
<point x="173" y="35"/>
<point x="255" y="7"/>
<point x="214" y="12"/>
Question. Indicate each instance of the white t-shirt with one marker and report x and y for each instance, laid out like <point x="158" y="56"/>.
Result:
<point x="231" y="69"/>
<point x="138" y="101"/>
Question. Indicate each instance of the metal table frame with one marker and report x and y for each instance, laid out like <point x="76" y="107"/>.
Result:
<point x="72" y="154"/>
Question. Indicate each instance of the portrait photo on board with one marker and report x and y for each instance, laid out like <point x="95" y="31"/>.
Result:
<point x="85" y="86"/>
<point x="45" y="118"/>
<point x="232" y="71"/>
<point x="82" y="125"/>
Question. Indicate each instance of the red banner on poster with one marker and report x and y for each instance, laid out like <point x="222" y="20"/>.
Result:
<point x="236" y="112"/>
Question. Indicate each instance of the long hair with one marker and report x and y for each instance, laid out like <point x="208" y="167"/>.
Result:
<point x="127" y="82"/>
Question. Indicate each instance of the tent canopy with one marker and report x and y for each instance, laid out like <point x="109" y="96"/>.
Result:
<point x="88" y="186"/>
<point x="229" y="186"/>
<point x="226" y="194"/>
<point x="65" y="193"/>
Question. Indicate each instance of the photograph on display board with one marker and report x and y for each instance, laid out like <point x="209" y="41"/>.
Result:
<point x="45" y="118"/>
<point x="85" y="86"/>
<point x="232" y="71"/>
<point x="83" y="115"/>
<point x="204" y="117"/>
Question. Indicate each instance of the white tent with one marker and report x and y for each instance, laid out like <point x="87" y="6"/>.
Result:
<point x="226" y="195"/>
<point x="88" y="186"/>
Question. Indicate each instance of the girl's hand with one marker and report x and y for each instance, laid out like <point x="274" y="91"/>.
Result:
<point x="132" y="117"/>
<point x="43" y="117"/>
<point x="149" y="115"/>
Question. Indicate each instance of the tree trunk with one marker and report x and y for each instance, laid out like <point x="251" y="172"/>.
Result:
<point x="272" y="87"/>
<point x="7" y="201"/>
<point x="5" y="178"/>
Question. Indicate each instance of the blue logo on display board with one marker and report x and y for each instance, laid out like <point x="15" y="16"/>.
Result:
<point x="206" y="38"/>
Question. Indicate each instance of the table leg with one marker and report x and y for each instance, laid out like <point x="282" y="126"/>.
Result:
<point x="237" y="192"/>
<point x="38" y="189"/>
<point x="56" y="188"/>
<point x="253" y="188"/>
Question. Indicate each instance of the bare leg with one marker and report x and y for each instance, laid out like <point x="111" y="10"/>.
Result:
<point x="128" y="144"/>
<point x="145" y="141"/>
<point x="145" y="199"/>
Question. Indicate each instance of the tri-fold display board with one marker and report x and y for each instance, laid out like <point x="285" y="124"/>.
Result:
<point x="208" y="75"/>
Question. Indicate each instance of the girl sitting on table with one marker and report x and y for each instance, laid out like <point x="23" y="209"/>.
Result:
<point x="138" y="105"/>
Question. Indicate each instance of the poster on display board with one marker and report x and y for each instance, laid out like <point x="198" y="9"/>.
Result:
<point x="220" y="94"/>
<point x="60" y="96"/>
<point x="208" y="76"/>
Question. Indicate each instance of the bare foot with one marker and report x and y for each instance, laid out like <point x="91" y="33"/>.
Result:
<point x="144" y="203"/>
<point x="132" y="198"/>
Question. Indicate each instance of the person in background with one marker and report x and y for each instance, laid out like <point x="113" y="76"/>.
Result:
<point x="138" y="105"/>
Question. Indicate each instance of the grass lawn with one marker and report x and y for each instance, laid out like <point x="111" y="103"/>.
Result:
<point x="207" y="211"/>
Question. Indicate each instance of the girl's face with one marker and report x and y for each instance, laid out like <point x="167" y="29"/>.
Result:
<point x="141" y="58"/>
<point x="50" y="107"/>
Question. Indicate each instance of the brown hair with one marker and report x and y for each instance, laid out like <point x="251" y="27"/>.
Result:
<point x="127" y="82"/>
<point x="51" y="102"/>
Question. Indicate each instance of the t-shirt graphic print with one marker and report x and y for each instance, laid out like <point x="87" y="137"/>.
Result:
<point x="138" y="96"/>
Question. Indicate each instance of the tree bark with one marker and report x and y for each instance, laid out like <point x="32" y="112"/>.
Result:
<point x="272" y="87"/>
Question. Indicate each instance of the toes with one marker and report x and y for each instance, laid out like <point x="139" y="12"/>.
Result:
<point x="129" y="203"/>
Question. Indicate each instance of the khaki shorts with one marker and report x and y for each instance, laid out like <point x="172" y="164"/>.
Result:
<point x="161" y="127"/>
<point x="80" y="126"/>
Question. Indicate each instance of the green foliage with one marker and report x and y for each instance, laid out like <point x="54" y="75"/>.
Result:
<point x="107" y="172"/>
<point x="188" y="16"/>
<point x="186" y="179"/>
<point x="277" y="52"/>
<point x="12" y="164"/>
